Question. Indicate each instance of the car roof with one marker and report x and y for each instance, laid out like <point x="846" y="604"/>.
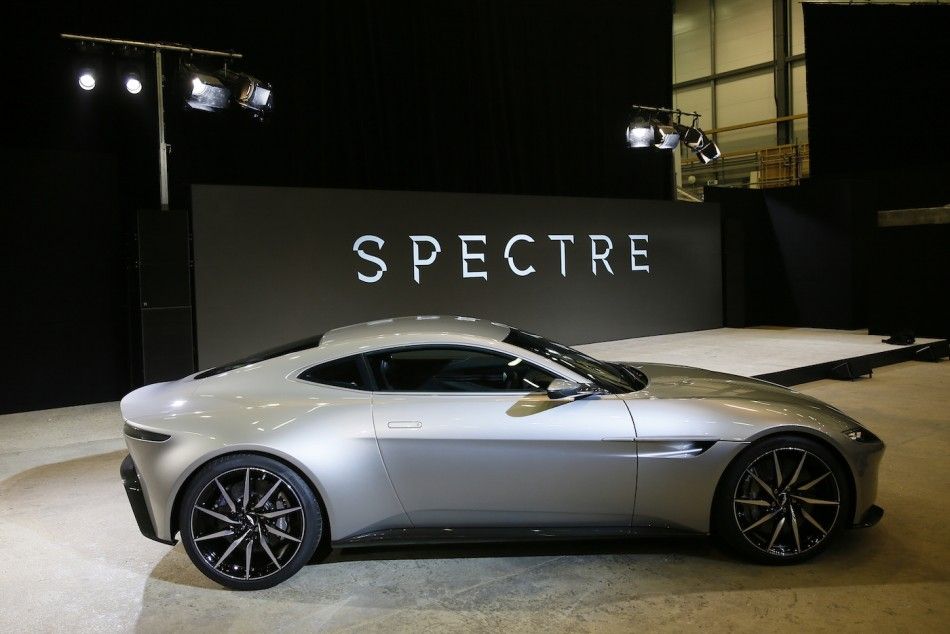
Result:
<point x="437" y="326"/>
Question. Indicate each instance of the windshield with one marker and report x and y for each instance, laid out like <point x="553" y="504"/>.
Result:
<point x="272" y="353"/>
<point x="613" y="377"/>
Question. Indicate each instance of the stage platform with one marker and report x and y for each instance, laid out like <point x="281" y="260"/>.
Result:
<point x="788" y="356"/>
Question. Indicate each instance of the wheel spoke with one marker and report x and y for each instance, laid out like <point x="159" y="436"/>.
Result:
<point x="247" y="489"/>
<point x="261" y="502"/>
<point x="223" y="533"/>
<point x="798" y="543"/>
<point x="778" y="471"/>
<point x="753" y="502"/>
<point x="798" y="471"/>
<point x="280" y="533"/>
<point x="762" y="520"/>
<point x="778" y="529"/>
<point x="274" y="514"/>
<point x="762" y="484"/>
<point x="267" y="550"/>
<point x="813" y="522"/>
<point x="814" y="482"/>
<point x="217" y="516"/>
<point x="227" y="498"/>
<point x="231" y="548"/>
<point x="815" y="501"/>
<point x="247" y="559"/>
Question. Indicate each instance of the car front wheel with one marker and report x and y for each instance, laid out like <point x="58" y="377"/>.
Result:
<point x="249" y="522"/>
<point x="782" y="500"/>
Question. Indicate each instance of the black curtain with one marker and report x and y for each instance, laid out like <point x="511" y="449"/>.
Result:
<point x="500" y="96"/>
<point x="877" y="84"/>
<point x="497" y="96"/>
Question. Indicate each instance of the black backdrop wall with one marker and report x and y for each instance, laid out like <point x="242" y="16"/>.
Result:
<point x="277" y="264"/>
<point x="877" y="83"/>
<point x="796" y="256"/>
<point x="811" y="255"/>
<point x="495" y="96"/>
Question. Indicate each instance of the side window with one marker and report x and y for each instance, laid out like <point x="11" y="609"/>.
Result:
<point x="340" y="373"/>
<point x="454" y="370"/>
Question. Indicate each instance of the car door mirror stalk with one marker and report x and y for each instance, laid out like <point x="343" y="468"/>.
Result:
<point x="562" y="388"/>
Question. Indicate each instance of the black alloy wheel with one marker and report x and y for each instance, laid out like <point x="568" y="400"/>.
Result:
<point x="249" y="522"/>
<point x="782" y="500"/>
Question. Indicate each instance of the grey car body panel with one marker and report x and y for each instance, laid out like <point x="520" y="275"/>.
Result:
<point x="478" y="459"/>
<point x="474" y="456"/>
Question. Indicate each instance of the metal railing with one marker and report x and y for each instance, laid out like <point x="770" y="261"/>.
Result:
<point x="778" y="166"/>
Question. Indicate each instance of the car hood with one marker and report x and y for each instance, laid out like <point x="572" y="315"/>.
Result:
<point x="678" y="381"/>
<point x="681" y="401"/>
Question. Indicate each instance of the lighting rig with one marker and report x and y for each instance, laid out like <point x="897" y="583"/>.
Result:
<point x="210" y="90"/>
<point x="663" y="128"/>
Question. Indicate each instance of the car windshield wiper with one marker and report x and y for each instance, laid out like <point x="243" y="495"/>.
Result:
<point x="637" y="382"/>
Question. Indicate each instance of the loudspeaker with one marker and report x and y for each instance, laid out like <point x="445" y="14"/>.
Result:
<point x="164" y="312"/>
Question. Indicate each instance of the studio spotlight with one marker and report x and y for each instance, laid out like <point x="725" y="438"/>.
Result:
<point x="252" y="94"/>
<point x="640" y="133"/>
<point x="133" y="83"/>
<point x="87" y="80"/>
<point x="692" y="137"/>
<point x="708" y="153"/>
<point x="666" y="137"/>
<point x="207" y="92"/>
<point x="696" y="140"/>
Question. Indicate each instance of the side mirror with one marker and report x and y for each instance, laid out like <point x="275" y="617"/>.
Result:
<point x="562" y="388"/>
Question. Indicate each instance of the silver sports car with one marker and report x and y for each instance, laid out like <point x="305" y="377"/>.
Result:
<point x="425" y="429"/>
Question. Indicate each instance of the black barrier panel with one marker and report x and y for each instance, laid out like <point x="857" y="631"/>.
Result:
<point x="276" y="264"/>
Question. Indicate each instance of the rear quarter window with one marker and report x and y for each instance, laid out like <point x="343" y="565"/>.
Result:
<point x="344" y="372"/>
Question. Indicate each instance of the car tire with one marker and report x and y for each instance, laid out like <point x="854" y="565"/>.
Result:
<point x="249" y="522"/>
<point x="782" y="500"/>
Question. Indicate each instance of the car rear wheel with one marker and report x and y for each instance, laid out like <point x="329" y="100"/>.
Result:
<point x="249" y="522"/>
<point x="782" y="500"/>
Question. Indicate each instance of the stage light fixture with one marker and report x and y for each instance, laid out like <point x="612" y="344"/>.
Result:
<point x="666" y="137"/>
<point x="133" y="83"/>
<point x="87" y="79"/>
<point x="207" y="92"/>
<point x="251" y="93"/>
<point x="640" y="133"/>
<point x="692" y="137"/>
<point x="708" y="153"/>
<point x="697" y="141"/>
<point x="664" y="130"/>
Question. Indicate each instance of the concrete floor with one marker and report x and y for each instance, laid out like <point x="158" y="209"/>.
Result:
<point x="71" y="557"/>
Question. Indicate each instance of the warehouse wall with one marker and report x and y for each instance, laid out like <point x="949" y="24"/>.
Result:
<point x="716" y="36"/>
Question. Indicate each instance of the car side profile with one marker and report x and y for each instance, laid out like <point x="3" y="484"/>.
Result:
<point x="433" y="428"/>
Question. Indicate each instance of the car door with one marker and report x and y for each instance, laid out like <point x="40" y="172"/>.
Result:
<point x="470" y="438"/>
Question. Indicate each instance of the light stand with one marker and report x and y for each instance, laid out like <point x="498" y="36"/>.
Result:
<point x="157" y="47"/>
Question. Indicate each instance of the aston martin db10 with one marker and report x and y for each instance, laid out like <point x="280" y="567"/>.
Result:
<point x="424" y="429"/>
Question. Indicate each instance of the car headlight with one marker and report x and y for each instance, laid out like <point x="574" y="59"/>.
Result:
<point x="144" y="434"/>
<point x="860" y="434"/>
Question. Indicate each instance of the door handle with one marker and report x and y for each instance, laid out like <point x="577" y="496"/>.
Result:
<point x="404" y="424"/>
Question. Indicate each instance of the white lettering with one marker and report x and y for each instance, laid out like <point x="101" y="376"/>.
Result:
<point x="467" y="257"/>
<point x="375" y="277"/>
<point x="416" y="262"/>
<point x="595" y="256"/>
<point x="634" y="252"/>
<point x="562" y="238"/>
<point x="521" y="237"/>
